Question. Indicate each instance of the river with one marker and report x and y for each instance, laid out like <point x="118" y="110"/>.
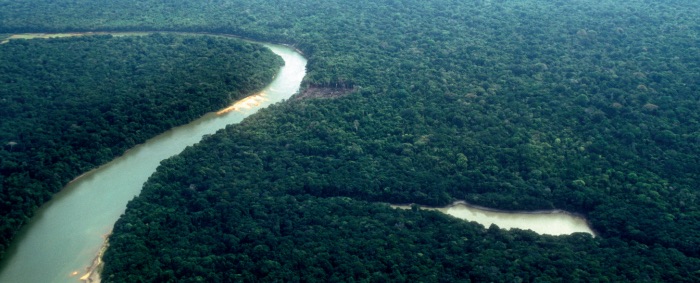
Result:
<point x="66" y="234"/>
<point x="555" y="222"/>
<point x="63" y="238"/>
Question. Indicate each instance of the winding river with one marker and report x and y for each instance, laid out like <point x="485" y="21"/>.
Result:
<point x="64" y="237"/>
<point x="60" y="243"/>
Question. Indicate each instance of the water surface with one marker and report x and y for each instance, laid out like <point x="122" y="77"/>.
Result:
<point x="554" y="222"/>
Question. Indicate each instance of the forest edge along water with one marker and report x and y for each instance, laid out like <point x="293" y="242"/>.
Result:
<point x="64" y="240"/>
<point x="89" y="250"/>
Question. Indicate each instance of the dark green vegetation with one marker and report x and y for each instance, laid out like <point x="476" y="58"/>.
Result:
<point x="69" y="105"/>
<point x="587" y="105"/>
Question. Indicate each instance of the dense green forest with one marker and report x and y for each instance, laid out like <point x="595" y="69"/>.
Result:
<point x="69" y="105"/>
<point x="587" y="105"/>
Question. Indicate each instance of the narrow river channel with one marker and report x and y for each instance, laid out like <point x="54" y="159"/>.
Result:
<point x="555" y="222"/>
<point x="65" y="235"/>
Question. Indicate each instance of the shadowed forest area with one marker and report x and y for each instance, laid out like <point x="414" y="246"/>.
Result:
<point x="588" y="106"/>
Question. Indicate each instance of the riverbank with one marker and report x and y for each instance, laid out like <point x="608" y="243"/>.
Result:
<point x="92" y="274"/>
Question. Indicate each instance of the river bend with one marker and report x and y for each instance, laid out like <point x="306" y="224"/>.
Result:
<point x="62" y="239"/>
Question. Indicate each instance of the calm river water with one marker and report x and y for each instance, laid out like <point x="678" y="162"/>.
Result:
<point x="545" y="222"/>
<point x="65" y="235"/>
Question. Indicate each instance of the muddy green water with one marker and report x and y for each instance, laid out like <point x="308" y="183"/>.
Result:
<point x="554" y="222"/>
<point x="65" y="235"/>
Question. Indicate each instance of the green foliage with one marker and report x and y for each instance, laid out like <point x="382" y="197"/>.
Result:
<point x="588" y="106"/>
<point x="228" y="234"/>
<point x="69" y="105"/>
